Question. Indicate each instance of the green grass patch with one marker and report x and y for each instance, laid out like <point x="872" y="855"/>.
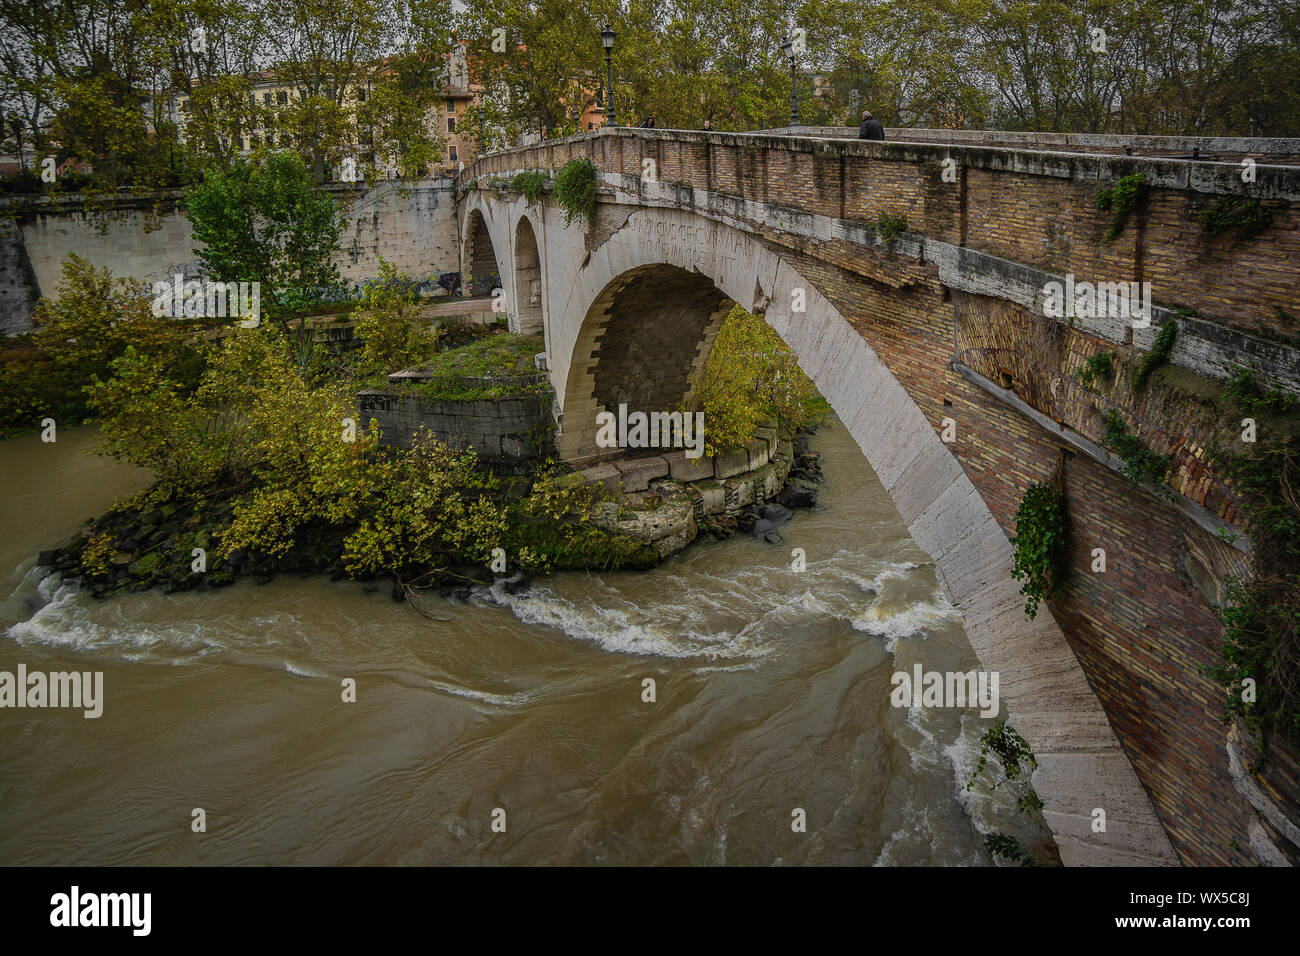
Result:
<point x="498" y="365"/>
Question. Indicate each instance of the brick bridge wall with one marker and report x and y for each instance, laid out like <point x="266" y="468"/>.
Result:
<point x="953" y="303"/>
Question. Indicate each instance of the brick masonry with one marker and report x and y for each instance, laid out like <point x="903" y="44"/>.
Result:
<point x="763" y="216"/>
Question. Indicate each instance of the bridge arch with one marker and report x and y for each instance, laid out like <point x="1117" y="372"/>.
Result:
<point x="526" y="280"/>
<point x="706" y="264"/>
<point x="480" y="262"/>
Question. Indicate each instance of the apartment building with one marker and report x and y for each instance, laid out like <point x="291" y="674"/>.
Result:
<point x="446" y="119"/>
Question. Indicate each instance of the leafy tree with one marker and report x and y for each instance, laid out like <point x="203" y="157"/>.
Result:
<point x="364" y="77"/>
<point x="93" y="320"/>
<point x="78" y="72"/>
<point x="265" y="221"/>
<point x="751" y="375"/>
<point x="389" y="324"/>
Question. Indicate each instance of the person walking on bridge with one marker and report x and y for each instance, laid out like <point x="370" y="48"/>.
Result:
<point x="870" y="128"/>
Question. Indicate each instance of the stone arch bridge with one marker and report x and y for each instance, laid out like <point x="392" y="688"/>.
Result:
<point x="946" y="321"/>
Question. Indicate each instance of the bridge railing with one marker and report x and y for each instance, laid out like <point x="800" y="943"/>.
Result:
<point x="1031" y="207"/>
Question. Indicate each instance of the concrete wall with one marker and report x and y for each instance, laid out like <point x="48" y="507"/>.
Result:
<point x="415" y="228"/>
<point x="18" y="289"/>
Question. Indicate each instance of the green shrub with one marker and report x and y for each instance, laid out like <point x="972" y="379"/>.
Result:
<point x="1140" y="462"/>
<point x="1245" y="214"/>
<point x="1121" y="199"/>
<point x="1096" y="369"/>
<point x="1252" y="395"/>
<point x="751" y="375"/>
<point x="75" y="337"/>
<point x="890" y="227"/>
<point x="388" y="323"/>
<point x="1039" y="544"/>
<point x="1261" y="614"/>
<point x="999" y="844"/>
<point x="531" y="185"/>
<point x="1159" y="354"/>
<point x="1011" y="750"/>
<point x="575" y="191"/>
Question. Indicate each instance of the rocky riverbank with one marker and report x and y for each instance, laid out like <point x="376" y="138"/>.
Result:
<point x="172" y="545"/>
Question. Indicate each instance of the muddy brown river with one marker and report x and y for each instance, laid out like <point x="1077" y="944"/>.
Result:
<point x="772" y="695"/>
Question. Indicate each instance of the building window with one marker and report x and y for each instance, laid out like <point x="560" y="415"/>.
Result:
<point x="451" y="124"/>
<point x="453" y="153"/>
<point x="451" y="106"/>
<point x="266" y="99"/>
<point x="282" y="97"/>
<point x="361" y="94"/>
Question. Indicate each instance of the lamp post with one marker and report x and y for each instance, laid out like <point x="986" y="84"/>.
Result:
<point x="607" y="41"/>
<point x="787" y="47"/>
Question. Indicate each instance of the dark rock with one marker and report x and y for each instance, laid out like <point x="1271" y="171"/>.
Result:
<point x="798" y="495"/>
<point x="773" y="537"/>
<point x="776" y="513"/>
<point x="48" y="558"/>
<point x="399" y="592"/>
<point x="761" y="527"/>
<point x="516" y="585"/>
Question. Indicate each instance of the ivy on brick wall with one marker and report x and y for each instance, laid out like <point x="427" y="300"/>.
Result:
<point x="1159" y="354"/>
<point x="531" y="185"/>
<point x="1039" y="542"/>
<point x="1245" y="214"/>
<point x="1096" y="369"/>
<point x="1140" y="462"/>
<point x="1261" y="615"/>
<point x="1121" y="199"/>
<point x="575" y="190"/>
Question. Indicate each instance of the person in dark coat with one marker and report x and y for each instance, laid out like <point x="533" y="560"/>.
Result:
<point x="870" y="128"/>
<point x="708" y="126"/>
<point x="649" y="122"/>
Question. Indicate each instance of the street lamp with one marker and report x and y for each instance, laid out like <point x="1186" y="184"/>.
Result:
<point x="607" y="41"/>
<point x="787" y="47"/>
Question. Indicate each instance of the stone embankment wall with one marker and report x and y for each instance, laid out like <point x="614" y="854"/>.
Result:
<point x="506" y="433"/>
<point x="148" y="239"/>
<point x="668" y="499"/>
